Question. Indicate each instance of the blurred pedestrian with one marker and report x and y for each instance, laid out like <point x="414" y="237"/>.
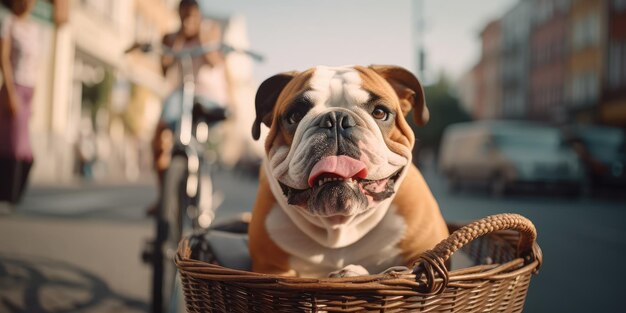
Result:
<point x="209" y="72"/>
<point x="86" y="149"/>
<point x="19" y="53"/>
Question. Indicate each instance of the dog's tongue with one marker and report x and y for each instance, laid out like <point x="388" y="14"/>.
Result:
<point x="343" y="166"/>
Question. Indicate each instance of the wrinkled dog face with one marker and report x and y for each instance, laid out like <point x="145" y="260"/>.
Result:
<point x="338" y="142"/>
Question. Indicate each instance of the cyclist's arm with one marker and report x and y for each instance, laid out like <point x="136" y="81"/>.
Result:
<point x="174" y="41"/>
<point x="211" y="33"/>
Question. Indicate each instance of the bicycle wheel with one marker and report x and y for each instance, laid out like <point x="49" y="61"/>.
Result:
<point x="172" y="223"/>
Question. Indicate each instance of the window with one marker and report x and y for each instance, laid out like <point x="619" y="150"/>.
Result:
<point x="617" y="64"/>
<point x="619" y="5"/>
<point x="585" y="88"/>
<point x="563" y="5"/>
<point x="587" y="31"/>
<point x="592" y="86"/>
<point x="579" y="89"/>
<point x="549" y="9"/>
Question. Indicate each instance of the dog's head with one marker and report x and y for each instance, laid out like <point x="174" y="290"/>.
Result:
<point x="339" y="143"/>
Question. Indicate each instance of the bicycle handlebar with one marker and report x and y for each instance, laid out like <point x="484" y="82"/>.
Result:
<point x="191" y="51"/>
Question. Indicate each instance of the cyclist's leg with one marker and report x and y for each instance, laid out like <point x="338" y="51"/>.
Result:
<point x="163" y="142"/>
<point x="212" y="110"/>
<point x="162" y="147"/>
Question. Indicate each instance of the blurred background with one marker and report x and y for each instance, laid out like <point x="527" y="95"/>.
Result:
<point x="528" y="111"/>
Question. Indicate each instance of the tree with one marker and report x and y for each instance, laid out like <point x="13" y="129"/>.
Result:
<point x="445" y="109"/>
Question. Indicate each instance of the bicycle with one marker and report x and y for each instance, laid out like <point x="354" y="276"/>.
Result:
<point x="185" y="205"/>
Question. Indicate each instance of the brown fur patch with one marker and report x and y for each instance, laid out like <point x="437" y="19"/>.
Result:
<point x="298" y="85"/>
<point x="401" y="136"/>
<point x="425" y="226"/>
<point x="266" y="256"/>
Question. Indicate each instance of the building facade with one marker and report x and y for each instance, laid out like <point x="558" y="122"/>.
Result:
<point x="44" y="14"/>
<point x="613" y="107"/>
<point x="96" y="106"/>
<point x="586" y="66"/>
<point x="549" y="55"/>
<point x="102" y="116"/>
<point x="561" y="62"/>
<point x="467" y="91"/>
<point x="486" y="74"/>
<point x="86" y="90"/>
<point x="515" y="61"/>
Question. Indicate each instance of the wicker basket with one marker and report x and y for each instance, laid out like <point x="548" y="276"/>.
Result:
<point x="503" y="247"/>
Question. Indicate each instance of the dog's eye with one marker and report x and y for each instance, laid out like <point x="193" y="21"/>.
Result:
<point x="294" y="117"/>
<point x="380" y="113"/>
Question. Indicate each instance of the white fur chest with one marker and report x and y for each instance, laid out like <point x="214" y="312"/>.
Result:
<point x="376" y="251"/>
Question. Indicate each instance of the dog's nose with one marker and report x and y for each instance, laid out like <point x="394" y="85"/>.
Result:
<point x="339" y="119"/>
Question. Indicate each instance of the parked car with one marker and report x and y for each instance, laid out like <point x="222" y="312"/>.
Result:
<point x="602" y="150"/>
<point x="505" y="154"/>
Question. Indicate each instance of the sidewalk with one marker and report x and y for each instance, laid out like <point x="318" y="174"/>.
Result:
<point x="76" y="247"/>
<point x="58" y="265"/>
<point x="124" y="202"/>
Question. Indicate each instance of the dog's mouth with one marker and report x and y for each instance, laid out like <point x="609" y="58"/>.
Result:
<point x="339" y="189"/>
<point x="377" y="189"/>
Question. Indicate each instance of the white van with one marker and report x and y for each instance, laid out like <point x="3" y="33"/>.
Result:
<point x="507" y="153"/>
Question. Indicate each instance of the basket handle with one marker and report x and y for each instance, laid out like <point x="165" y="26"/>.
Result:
<point x="433" y="262"/>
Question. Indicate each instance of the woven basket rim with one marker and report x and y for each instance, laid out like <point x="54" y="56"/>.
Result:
<point x="394" y="283"/>
<point x="389" y="284"/>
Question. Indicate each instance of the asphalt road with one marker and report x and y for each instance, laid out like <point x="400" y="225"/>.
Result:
<point x="583" y="240"/>
<point x="76" y="248"/>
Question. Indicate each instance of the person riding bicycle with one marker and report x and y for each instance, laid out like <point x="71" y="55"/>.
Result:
<point x="211" y="88"/>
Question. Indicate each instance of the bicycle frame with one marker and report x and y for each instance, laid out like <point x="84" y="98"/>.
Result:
<point x="185" y="145"/>
<point x="190" y="180"/>
<point x="189" y="87"/>
<point x="184" y="129"/>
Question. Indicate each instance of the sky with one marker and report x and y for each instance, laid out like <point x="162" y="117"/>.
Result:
<point x="298" y="34"/>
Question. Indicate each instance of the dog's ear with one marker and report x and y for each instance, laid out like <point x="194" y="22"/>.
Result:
<point x="408" y="89"/>
<point x="265" y="100"/>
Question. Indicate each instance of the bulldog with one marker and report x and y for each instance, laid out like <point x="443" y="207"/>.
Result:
<point x="338" y="192"/>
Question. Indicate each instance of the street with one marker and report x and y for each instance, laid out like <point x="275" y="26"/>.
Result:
<point x="582" y="240"/>
<point x="76" y="248"/>
<point x="95" y="95"/>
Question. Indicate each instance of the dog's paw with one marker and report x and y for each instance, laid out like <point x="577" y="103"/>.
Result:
<point x="349" y="271"/>
<point x="395" y="271"/>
